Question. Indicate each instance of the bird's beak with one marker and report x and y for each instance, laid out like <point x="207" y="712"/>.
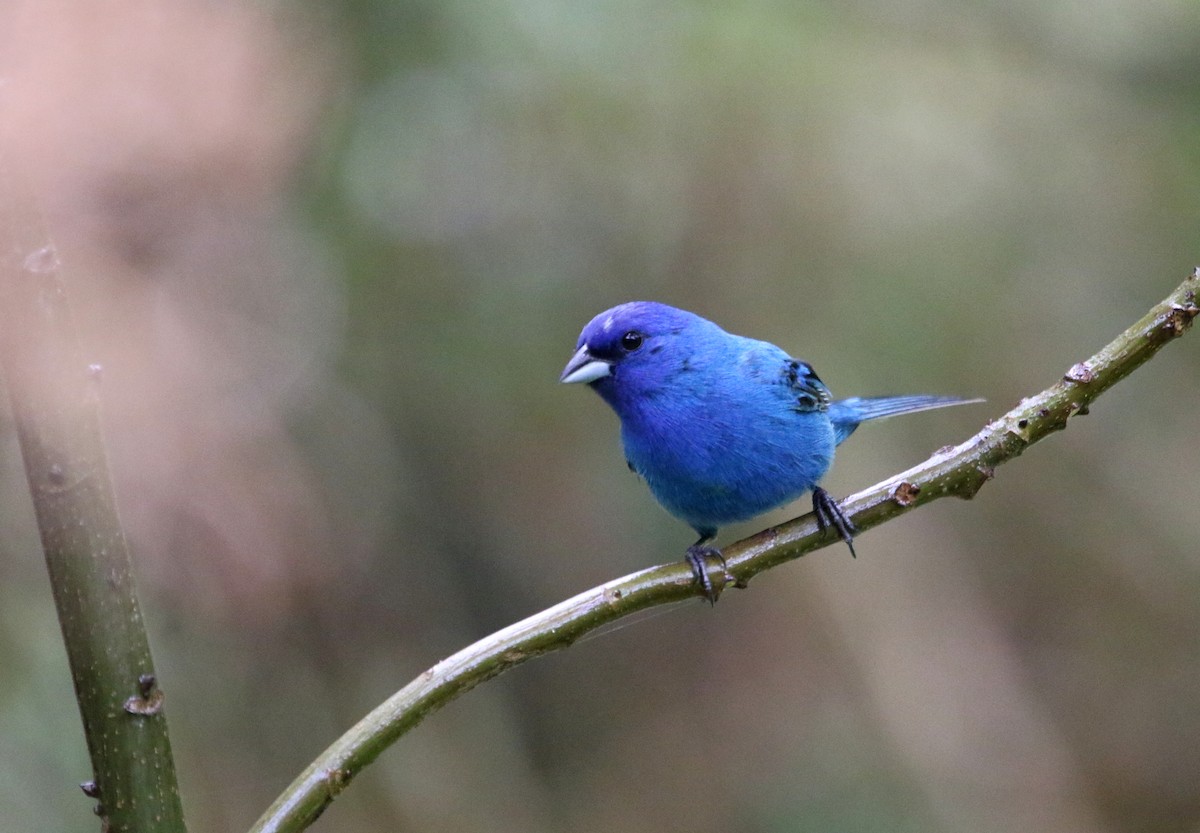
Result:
<point x="584" y="367"/>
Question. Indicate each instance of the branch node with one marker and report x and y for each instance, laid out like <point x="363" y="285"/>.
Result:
<point x="1180" y="318"/>
<point x="149" y="699"/>
<point x="337" y="780"/>
<point x="1081" y="374"/>
<point x="905" y="493"/>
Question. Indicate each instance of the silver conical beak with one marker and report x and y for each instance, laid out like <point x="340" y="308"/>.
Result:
<point x="584" y="367"/>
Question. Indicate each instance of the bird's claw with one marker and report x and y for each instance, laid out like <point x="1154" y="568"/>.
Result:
<point x="829" y="514"/>
<point x="697" y="558"/>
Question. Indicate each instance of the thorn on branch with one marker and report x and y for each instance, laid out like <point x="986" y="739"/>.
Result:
<point x="973" y="483"/>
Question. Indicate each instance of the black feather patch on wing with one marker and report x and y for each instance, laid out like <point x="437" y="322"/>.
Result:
<point x="811" y="393"/>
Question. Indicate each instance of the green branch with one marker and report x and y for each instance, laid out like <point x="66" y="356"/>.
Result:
<point x="56" y="411"/>
<point x="960" y="471"/>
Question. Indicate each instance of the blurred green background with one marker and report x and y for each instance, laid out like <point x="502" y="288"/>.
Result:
<point x="333" y="257"/>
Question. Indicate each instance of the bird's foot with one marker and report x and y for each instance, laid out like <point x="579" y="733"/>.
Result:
<point x="697" y="558"/>
<point x="829" y="514"/>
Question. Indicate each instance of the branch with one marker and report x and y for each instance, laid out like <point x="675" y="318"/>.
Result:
<point x="960" y="471"/>
<point x="57" y="416"/>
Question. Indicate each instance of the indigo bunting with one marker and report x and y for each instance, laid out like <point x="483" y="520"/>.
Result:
<point x="721" y="427"/>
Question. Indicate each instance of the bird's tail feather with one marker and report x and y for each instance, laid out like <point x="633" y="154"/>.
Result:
<point x="847" y="414"/>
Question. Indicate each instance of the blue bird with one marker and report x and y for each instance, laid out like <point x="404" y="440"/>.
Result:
<point x="721" y="427"/>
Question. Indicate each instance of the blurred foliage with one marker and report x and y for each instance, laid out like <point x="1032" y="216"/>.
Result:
<point x="332" y="259"/>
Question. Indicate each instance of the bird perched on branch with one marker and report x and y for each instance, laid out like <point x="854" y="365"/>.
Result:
<point x="721" y="427"/>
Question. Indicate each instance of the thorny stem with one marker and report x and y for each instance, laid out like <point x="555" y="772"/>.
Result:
<point x="57" y="417"/>
<point x="959" y="471"/>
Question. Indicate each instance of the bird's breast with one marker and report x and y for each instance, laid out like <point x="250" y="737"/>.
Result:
<point x="714" y="463"/>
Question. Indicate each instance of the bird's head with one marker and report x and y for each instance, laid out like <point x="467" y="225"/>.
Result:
<point x="635" y="349"/>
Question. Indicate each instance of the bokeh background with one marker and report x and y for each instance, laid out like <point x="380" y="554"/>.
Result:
<point x="332" y="258"/>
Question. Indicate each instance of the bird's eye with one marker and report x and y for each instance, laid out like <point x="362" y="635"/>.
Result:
<point x="631" y="341"/>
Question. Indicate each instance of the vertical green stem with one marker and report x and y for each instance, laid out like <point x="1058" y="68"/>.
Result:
<point x="55" y="405"/>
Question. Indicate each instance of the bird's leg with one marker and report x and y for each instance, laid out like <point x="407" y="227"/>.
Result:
<point x="697" y="558"/>
<point x="830" y="514"/>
